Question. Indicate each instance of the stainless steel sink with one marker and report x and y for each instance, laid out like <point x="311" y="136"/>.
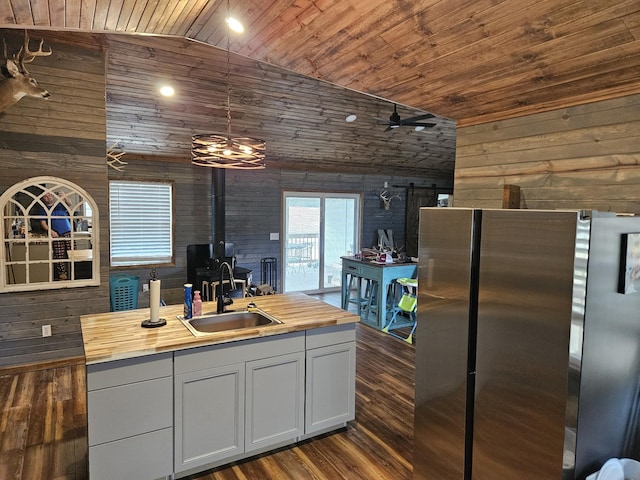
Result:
<point x="222" y="322"/>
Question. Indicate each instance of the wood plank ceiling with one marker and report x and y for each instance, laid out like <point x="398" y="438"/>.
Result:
<point x="466" y="62"/>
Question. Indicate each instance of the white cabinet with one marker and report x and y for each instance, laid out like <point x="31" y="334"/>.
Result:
<point x="130" y="418"/>
<point x="209" y="421"/>
<point x="275" y="400"/>
<point x="193" y="409"/>
<point x="330" y="378"/>
<point x="236" y="399"/>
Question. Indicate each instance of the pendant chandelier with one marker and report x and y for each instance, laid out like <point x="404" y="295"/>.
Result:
<point x="221" y="150"/>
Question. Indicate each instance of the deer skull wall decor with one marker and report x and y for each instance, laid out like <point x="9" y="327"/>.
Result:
<point x="18" y="82"/>
<point x="386" y="198"/>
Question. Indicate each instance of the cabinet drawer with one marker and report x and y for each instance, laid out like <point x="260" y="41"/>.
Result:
<point x="351" y="267"/>
<point x="147" y="456"/>
<point x="370" y="271"/>
<point x="120" y="372"/>
<point x="362" y="270"/>
<point x="320" y="337"/>
<point x="128" y="410"/>
<point x="229" y="353"/>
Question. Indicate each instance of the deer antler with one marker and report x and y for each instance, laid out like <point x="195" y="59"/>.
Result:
<point x="30" y="56"/>
<point x="113" y="158"/>
<point x="26" y="55"/>
<point x="386" y="199"/>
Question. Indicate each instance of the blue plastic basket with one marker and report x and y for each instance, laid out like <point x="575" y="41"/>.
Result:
<point x="123" y="290"/>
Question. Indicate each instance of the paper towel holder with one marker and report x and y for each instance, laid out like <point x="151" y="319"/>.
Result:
<point x="148" y="323"/>
<point x="154" y="303"/>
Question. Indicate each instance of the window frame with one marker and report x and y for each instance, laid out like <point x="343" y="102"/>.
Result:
<point x="167" y="226"/>
<point x="17" y="206"/>
<point x="296" y="275"/>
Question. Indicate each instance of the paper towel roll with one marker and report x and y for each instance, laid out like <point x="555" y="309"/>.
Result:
<point x="154" y="299"/>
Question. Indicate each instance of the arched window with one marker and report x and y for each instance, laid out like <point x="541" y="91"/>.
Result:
<point x="49" y="232"/>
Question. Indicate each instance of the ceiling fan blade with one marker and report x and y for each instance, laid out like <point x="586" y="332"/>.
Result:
<point x="418" y="124"/>
<point x="395" y="121"/>
<point x="419" y="117"/>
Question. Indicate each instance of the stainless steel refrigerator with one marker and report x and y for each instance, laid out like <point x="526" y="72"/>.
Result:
<point x="527" y="354"/>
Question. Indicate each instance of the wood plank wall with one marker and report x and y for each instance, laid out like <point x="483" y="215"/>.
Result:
<point x="254" y="210"/>
<point x="65" y="137"/>
<point x="254" y="207"/>
<point x="192" y="212"/>
<point x="583" y="157"/>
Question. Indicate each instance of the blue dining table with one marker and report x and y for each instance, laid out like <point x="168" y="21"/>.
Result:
<point x="383" y="273"/>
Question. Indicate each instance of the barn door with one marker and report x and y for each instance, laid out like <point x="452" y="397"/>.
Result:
<point x="416" y="198"/>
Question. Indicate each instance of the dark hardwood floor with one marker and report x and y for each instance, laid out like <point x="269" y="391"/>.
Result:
<point x="43" y="425"/>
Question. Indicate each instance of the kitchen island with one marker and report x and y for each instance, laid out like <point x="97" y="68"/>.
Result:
<point x="163" y="402"/>
<point x="356" y="271"/>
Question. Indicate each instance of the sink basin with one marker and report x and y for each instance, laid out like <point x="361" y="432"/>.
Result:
<point x="222" y="322"/>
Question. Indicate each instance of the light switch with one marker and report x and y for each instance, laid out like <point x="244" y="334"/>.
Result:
<point x="274" y="236"/>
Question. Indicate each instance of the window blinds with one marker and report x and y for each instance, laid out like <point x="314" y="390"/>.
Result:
<point x="140" y="222"/>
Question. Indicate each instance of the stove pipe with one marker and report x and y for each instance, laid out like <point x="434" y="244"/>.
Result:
<point x="218" y="211"/>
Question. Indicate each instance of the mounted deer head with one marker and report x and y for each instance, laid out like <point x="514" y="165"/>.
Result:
<point x="386" y="198"/>
<point x="18" y="82"/>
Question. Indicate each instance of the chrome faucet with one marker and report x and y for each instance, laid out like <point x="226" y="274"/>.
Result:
<point x="222" y="301"/>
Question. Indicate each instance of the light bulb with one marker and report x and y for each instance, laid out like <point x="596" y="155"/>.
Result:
<point x="167" y="90"/>
<point x="234" y="25"/>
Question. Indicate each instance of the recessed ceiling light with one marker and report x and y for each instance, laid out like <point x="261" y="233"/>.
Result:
<point x="167" y="90"/>
<point x="351" y="118"/>
<point x="234" y="24"/>
<point x="419" y="128"/>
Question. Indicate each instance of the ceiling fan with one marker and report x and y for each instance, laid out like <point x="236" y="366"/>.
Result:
<point x="395" y="121"/>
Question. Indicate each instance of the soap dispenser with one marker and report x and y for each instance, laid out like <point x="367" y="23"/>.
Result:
<point x="197" y="304"/>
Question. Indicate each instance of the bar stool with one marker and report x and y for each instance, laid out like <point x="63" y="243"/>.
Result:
<point x="354" y="282"/>
<point x="369" y="299"/>
<point x="205" y="292"/>
<point x="408" y="304"/>
<point x="209" y="289"/>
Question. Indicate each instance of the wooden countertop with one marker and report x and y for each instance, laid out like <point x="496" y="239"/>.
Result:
<point x="118" y="335"/>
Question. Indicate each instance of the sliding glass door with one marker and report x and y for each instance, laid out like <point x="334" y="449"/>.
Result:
<point x="319" y="228"/>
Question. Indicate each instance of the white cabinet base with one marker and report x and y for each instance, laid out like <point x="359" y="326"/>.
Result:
<point x="130" y="418"/>
<point x="275" y="400"/>
<point x="140" y="457"/>
<point x="218" y="404"/>
<point x="330" y="390"/>
<point x="209" y="419"/>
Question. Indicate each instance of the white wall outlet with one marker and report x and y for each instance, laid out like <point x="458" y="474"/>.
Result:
<point x="274" y="236"/>
<point x="145" y="287"/>
<point x="46" y="330"/>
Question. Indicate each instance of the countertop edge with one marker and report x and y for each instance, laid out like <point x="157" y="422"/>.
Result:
<point x="117" y="336"/>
